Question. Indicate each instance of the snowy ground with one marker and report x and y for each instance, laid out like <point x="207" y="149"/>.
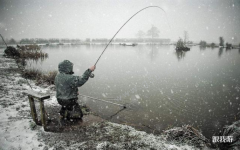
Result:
<point x="18" y="132"/>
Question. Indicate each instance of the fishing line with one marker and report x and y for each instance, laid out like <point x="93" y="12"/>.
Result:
<point x="115" y="114"/>
<point x="103" y="100"/>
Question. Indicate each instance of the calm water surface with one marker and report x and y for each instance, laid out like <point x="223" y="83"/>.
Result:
<point x="162" y="88"/>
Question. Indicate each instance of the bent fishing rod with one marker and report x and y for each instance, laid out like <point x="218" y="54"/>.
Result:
<point x="92" y="75"/>
<point x="123" y="26"/>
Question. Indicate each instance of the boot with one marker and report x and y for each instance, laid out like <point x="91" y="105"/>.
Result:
<point x="76" y="113"/>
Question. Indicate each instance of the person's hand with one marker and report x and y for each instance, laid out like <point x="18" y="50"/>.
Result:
<point x="92" y="68"/>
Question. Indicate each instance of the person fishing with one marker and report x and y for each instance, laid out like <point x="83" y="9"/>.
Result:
<point x="67" y="89"/>
<point x="67" y="84"/>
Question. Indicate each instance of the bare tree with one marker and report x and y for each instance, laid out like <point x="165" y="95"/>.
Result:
<point x="221" y="41"/>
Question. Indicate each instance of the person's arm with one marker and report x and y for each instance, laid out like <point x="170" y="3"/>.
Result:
<point x="80" y="80"/>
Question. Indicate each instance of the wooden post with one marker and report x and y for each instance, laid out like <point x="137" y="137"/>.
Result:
<point x="43" y="117"/>
<point x="33" y="109"/>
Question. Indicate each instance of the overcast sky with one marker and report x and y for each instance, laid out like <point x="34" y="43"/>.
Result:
<point x="203" y="19"/>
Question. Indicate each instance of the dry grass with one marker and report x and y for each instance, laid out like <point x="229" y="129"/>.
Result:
<point x="33" y="54"/>
<point x="47" y="78"/>
<point x="25" y="52"/>
<point x="39" y="76"/>
<point x="29" y="47"/>
<point x="32" y="74"/>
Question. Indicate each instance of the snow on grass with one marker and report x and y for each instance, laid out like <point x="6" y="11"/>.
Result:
<point x="15" y="125"/>
<point x="131" y="138"/>
<point x="17" y="134"/>
<point x="15" y="129"/>
<point x="52" y="101"/>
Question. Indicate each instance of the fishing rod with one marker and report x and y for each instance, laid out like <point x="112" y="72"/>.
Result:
<point x="103" y="101"/>
<point x="92" y="75"/>
<point x="3" y="40"/>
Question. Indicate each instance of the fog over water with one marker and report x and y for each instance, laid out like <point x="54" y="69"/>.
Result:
<point x="204" y="20"/>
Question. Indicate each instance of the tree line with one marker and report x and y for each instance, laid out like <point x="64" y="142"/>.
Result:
<point x="40" y="41"/>
<point x="153" y="32"/>
<point x="220" y="44"/>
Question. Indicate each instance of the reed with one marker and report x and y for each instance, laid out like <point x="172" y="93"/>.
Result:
<point x="29" y="47"/>
<point x="39" y="76"/>
<point x="47" y="78"/>
<point x="25" y="52"/>
<point x="33" y="54"/>
<point x="32" y="74"/>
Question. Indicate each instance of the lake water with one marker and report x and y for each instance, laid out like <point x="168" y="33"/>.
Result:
<point x="162" y="88"/>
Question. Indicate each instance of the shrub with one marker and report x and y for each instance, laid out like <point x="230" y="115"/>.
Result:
<point x="11" y="52"/>
<point x="228" y="46"/>
<point x="26" y="52"/>
<point x="203" y="43"/>
<point x="47" y="78"/>
<point x="32" y="74"/>
<point x="213" y="44"/>
<point x="39" y="76"/>
<point x="29" y="47"/>
<point x="33" y="54"/>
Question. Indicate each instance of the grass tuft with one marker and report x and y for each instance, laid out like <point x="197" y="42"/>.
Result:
<point x="47" y="78"/>
<point x="33" y="54"/>
<point x="39" y="76"/>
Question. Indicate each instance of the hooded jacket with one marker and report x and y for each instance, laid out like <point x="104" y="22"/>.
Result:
<point x="66" y="83"/>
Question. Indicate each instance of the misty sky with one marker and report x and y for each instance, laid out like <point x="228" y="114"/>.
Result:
<point x="203" y="19"/>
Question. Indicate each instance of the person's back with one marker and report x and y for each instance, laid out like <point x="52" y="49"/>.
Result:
<point x="67" y="89"/>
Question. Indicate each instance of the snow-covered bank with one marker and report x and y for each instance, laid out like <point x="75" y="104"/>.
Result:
<point x="14" y="110"/>
<point x="106" y="135"/>
<point x="19" y="132"/>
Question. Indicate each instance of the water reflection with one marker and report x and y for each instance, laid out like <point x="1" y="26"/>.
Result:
<point x="220" y="52"/>
<point x="202" y="47"/>
<point x="154" y="52"/>
<point x="180" y="55"/>
<point x="29" y="62"/>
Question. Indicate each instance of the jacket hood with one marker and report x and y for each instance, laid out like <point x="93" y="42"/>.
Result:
<point x="65" y="67"/>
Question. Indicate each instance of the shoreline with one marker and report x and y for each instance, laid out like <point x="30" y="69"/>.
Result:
<point x="19" y="131"/>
